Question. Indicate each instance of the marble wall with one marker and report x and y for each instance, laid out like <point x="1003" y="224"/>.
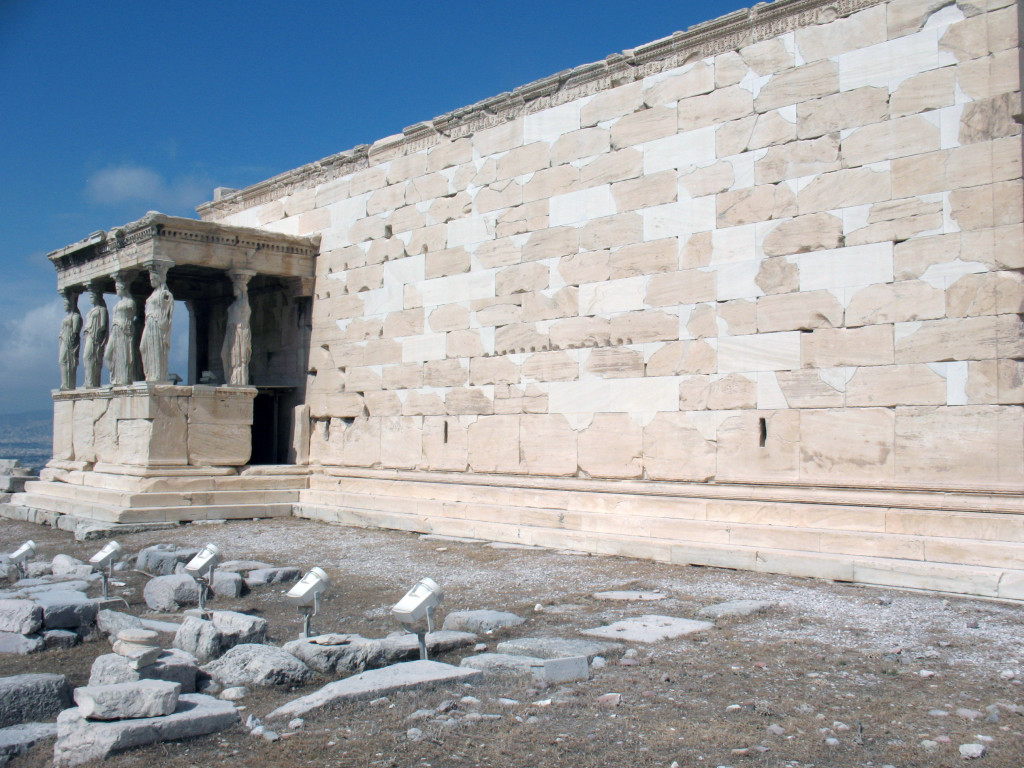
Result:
<point x="795" y="262"/>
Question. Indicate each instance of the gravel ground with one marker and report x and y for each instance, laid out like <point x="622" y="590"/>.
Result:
<point x="833" y="675"/>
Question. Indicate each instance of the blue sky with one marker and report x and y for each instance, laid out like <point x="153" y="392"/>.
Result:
<point x="111" y="109"/>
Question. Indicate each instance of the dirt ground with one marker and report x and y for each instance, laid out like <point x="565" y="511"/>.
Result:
<point x="834" y="675"/>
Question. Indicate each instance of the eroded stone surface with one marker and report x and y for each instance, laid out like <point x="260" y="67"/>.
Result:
<point x="650" y="629"/>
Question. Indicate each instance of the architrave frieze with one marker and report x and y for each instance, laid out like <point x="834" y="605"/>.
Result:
<point x="726" y="33"/>
<point x="184" y="242"/>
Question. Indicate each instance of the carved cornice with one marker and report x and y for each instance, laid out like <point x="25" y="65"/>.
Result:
<point x="726" y="33"/>
<point x="158" y="237"/>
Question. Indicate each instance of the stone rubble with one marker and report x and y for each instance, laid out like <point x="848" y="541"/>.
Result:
<point x="250" y="664"/>
<point x="27" y="698"/>
<point x="119" y="701"/>
<point x="17" y="739"/>
<point x="481" y="621"/>
<point x="172" y="664"/>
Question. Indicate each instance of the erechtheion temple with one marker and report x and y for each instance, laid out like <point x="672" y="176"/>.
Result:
<point x="747" y="296"/>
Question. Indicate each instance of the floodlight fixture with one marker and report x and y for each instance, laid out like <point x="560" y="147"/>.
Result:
<point x="415" y="611"/>
<point x="305" y="595"/>
<point x="20" y="556"/>
<point x="103" y="561"/>
<point x="201" y="568"/>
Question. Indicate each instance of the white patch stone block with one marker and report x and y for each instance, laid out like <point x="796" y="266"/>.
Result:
<point x="381" y="301"/>
<point x="470" y="286"/>
<point x="679" y="151"/>
<point x="581" y="206"/>
<point x="888" y="64"/>
<point x="468" y="231"/>
<point x="649" y="629"/>
<point x="736" y="280"/>
<point x="624" y="295"/>
<point x="955" y="374"/>
<point x="419" y="349"/>
<point x="846" y="267"/>
<point x="411" y="269"/>
<point x="551" y="123"/>
<point x="759" y="352"/>
<point x="769" y="393"/>
<point x="754" y="83"/>
<point x="614" y="395"/>
<point x="734" y="244"/>
<point x="945" y="274"/>
<point x="743" y="168"/>
<point x="679" y="219"/>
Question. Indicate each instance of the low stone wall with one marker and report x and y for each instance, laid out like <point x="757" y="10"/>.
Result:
<point x="153" y="425"/>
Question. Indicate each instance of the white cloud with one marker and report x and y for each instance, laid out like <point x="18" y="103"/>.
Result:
<point x="28" y="357"/>
<point x="145" y="186"/>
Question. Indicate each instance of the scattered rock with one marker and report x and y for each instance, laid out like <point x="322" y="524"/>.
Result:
<point x="968" y="714"/>
<point x="567" y="670"/>
<point x="501" y="663"/>
<point x="609" y="700"/>
<point x="375" y="683"/>
<point x="929" y="745"/>
<point x="234" y="693"/>
<point x="210" y="639"/>
<point x="259" y="577"/>
<point x="15" y="740"/>
<point x="253" y="664"/>
<point x="626" y="595"/>
<point x="112" y="622"/>
<point x="168" y="594"/>
<point x="61" y="638"/>
<point x="414" y="734"/>
<point x="21" y="644"/>
<point x="145" y="698"/>
<point x="26" y="698"/>
<point x="736" y="609"/>
<point x="162" y="559"/>
<point x="296" y="724"/>
<point x="650" y="629"/>
<point x="81" y="741"/>
<point x="172" y="664"/>
<point x="558" y="647"/>
<point x="972" y="751"/>
<point x="22" y="617"/>
<point x="481" y="621"/>
<point x="243" y="566"/>
<point x="65" y="565"/>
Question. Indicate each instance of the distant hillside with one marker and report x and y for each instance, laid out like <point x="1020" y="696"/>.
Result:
<point x="27" y="437"/>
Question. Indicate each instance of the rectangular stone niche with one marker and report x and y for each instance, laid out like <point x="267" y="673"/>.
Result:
<point x="154" y="426"/>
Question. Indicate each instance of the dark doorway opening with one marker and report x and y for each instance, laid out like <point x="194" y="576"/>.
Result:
<point x="272" y="425"/>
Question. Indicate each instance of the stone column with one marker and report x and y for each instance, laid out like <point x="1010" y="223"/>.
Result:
<point x="97" y="324"/>
<point x="155" y="344"/>
<point x="236" y="352"/>
<point x="120" y="355"/>
<point x="70" y="339"/>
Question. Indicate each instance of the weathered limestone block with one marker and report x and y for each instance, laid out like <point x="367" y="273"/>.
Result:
<point x="24" y="617"/>
<point x="550" y="366"/>
<point x="890" y="385"/>
<point x="612" y="446"/>
<point x="119" y="701"/>
<point x="612" y="103"/>
<point x="683" y="357"/>
<point x="812" y="388"/>
<point x="844" y="188"/>
<point x="586" y="267"/>
<point x="991" y="293"/>
<point x="827" y="454"/>
<point x="521" y="278"/>
<point x="732" y="392"/>
<point x="799" y="158"/>
<point x="548" y="446"/>
<point x="504" y="310"/>
<point x="895" y="302"/>
<point x="696" y="251"/>
<point x="928" y="90"/>
<point x="969" y="338"/>
<point x="990" y="119"/>
<point x="693" y="392"/>
<point x="29" y="698"/>
<point x="822" y="41"/>
<point x="445" y="373"/>
<point x="861" y="106"/>
<point x="551" y="243"/>
<point x="611" y="232"/>
<point x="580" y="332"/>
<point x="653" y="257"/>
<point x="900" y="137"/>
<point x="643" y="327"/>
<point x="404" y="376"/>
<point x="526" y="159"/>
<point x="561" y="303"/>
<point x="674" y="449"/>
<point x="995" y="381"/>
<point x="645" y="125"/>
<point x="646" y="191"/>
<point x="826" y="348"/>
<point x="739" y="317"/>
<point x="448" y="153"/>
<point x="815" y="232"/>
<point x="689" y="80"/>
<point x="521" y="337"/>
<point x="450" y="317"/>
<point x="959" y="446"/>
<point x="689" y="286"/>
<point x="172" y="664"/>
<point x="466" y="343"/>
<point x="778" y="275"/>
<point x="718" y="106"/>
<point x="445" y="445"/>
<point x="771" y="128"/>
<point x="494" y="444"/>
<point x="493" y="370"/>
<point x="385" y="403"/>
<point x="898" y="220"/>
<point x="544" y="185"/>
<point x="500" y="138"/>
<point x="575" y="145"/>
<point x="708" y="180"/>
<point x="745" y="206"/>
<point x="802" y="311"/>
<point x="615" y="362"/>
<point x="743" y="455"/>
<point x="619" y="165"/>
<point x="400" y="446"/>
<point x="810" y="81"/>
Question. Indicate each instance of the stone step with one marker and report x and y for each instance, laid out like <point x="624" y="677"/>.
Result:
<point x="183" y="484"/>
<point x="119" y="514"/>
<point x="111" y="497"/>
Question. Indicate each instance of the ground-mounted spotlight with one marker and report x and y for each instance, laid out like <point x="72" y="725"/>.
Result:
<point x="20" y="556"/>
<point x="415" y="611"/>
<point x="103" y="561"/>
<point x="306" y="595"/>
<point x="201" y="568"/>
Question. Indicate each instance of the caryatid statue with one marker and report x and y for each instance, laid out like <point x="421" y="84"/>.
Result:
<point x="120" y="352"/>
<point x="236" y="352"/>
<point x="156" y="334"/>
<point x="69" y="338"/>
<point x="95" y="335"/>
